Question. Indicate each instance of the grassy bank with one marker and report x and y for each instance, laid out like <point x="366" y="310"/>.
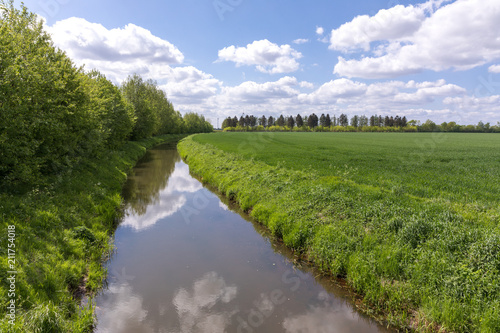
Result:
<point x="422" y="250"/>
<point x="62" y="233"/>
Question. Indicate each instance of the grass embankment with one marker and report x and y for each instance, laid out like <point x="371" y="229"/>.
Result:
<point x="62" y="234"/>
<point x="410" y="220"/>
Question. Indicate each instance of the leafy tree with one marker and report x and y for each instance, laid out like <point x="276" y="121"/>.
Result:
<point x="312" y="121"/>
<point x="299" y="121"/>
<point x="44" y="117"/>
<point x="114" y="117"/>
<point x="328" y="121"/>
<point x="263" y="121"/>
<point x="343" y="121"/>
<point x="139" y="93"/>
<point x="362" y="121"/>
<point x="322" y="120"/>
<point x="354" y="121"/>
<point x="290" y="122"/>
<point x="253" y="121"/>
<point x="195" y="123"/>
<point x="227" y="122"/>
<point x="241" y="122"/>
<point x="281" y="121"/>
<point x="270" y="121"/>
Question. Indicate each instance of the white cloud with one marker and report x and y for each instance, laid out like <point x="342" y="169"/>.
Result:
<point x="460" y="36"/>
<point x="489" y="103"/>
<point x="494" y="69"/>
<point x="428" y="94"/>
<point x="331" y="91"/>
<point x="170" y="200"/>
<point x="119" y="50"/>
<point x="320" y="30"/>
<point x="301" y="41"/>
<point x="188" y="85"/>
<point x="388" y="24"/>
<point x="258" y="93"/>
<point x="195" y="308"/>
<point x="268" y="57"/>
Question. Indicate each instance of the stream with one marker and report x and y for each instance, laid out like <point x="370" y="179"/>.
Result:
<point x="187" y="260"/>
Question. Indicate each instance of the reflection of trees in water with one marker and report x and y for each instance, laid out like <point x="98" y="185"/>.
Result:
<point x="149" y="177"/>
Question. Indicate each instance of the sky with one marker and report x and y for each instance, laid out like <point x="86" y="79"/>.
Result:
<point x="436" y="59"/>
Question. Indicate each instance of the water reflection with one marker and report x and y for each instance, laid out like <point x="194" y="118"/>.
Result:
<point x="148" y="178"/>
<point x="146" y="203"/>
<point x="197" y="266"/>
<point x="200" y="310"/>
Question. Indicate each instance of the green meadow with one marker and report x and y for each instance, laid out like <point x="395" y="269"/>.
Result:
<point x="410" y="220"/>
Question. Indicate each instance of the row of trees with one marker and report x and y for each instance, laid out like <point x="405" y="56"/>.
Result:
<point x="375" y="123"/>
<point x="312" y="121"/>
<point x="53" y="113"/>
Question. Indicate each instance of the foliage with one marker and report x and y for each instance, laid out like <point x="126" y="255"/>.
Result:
<point x="62" y="235"/>
<point x="43" y="110"/>
<point x="410" y="220"/>
<point x="53" y="115"/>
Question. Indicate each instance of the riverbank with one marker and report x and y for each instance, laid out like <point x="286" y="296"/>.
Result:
<point x="60" y="235"/>
<point x="424" y="264"/>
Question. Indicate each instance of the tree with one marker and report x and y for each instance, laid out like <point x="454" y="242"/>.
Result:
<point x="404" y="121"/>
<point x="114" y="117"/>
<point x="241" y="122"/>
<point x="299" y="121"/>
<point x="270" y="121"/>
<point x="322" y="120"/>
<point x="354" y="121"/>
<point x="343" y="120"/>
<point x="363" y="121"/>
<point x="226" y="122"/>
<point x="45" y="117"/>
<point x="312" y="121"/>
<point x="253" y="121"/>
<point x="281" y="121"/>
<point x="328" y="121"/>
<point x="290" y="122"/>
<point x="138" y="93"/>
<point x="263" y="121"/>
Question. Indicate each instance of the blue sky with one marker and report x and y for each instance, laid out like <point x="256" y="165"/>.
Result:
<point x="435" y="59"/>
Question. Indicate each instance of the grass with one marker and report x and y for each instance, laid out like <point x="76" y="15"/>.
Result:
<point x="63" y="232"/>
<point x="411" y="221"/>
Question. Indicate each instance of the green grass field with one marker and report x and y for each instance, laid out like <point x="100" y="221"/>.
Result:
<point x="452" y="166"/>
<point x="411" y="220"/>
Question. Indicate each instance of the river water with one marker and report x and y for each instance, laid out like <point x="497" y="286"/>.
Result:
<point x="187" y="261"/>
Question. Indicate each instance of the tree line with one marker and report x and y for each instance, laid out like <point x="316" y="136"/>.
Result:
<point x="327" y="123"/>
<point x="53" y="114"/>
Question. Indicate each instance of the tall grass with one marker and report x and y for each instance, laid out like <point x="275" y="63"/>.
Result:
<point x="425" y="258"/>
<point x="62" y="235"/>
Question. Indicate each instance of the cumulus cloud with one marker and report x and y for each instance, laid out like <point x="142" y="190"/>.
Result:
<point x="256" y="93"/>
<point x="494" y="69"/>
<point x="332" y="91"/>
<point x="268" y="57"/>
<point x="460" y="35"/>
<point x="92" y="43"/>
<point x="398" y="22"/>
<point x="320" y="30"/>
<point x="301" y="41"/>
<point x="188" y="85"/>
<point x="489" y="103"/>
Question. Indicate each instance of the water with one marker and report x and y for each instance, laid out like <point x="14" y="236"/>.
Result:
<point x="187" y="261"/>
